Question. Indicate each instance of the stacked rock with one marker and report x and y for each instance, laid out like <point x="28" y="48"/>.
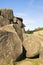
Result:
<point x="10" y="37"/>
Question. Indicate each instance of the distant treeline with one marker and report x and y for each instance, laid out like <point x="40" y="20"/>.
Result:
<point x="30" y="32"/>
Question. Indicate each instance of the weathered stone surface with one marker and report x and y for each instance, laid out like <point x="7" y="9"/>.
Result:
<point x="41" y="54"/>
<point x="14" y="19"/>
<point x="6" y="13"/>
<point x="18" y="21"/>
<point x="10" y="44"/>
<point x="19" y="31"/>
<point x="3" y="21"/>
<point x="31" y="45"/>
<point x="39" y="35"/>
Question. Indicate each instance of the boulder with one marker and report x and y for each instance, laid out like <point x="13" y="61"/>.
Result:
<point x="31" y="45"/>
<point x="6" y="13"/>
<point x="3" y="21"/>
<point x="10" y="45"/>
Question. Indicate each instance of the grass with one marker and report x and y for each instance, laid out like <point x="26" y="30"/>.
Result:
<point x="33" y="61"/>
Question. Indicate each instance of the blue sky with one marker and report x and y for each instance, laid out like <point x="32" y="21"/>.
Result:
<point x="30" y="10"/>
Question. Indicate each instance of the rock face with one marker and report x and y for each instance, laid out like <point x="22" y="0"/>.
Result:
<point x="39" y="35"/>
<point x="18" y="26"/>
<point x="18" y="21"/>
<point x="32" y="43"/>
<point x="10" y="37"/>
<point x="10" y="44"/>
<point x="6" y="13"/>
<point x="3" y="21"/>
<point x="19" y="31"/>
<point x="7" y="17"/>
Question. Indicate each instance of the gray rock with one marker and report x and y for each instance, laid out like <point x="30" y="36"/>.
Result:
<point x="3" y="21"/>
<point x="6" y="13"/>
<point x="19" y="31"/>
<point x="10" y="44"/>
<point x="31" y="45"/>
<point x="18" y="21"/>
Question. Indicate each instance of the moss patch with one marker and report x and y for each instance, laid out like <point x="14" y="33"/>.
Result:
<point x="33" y="61"/>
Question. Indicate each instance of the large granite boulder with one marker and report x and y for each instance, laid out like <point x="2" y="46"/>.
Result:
<point x="10" y="45"/>
<point x="6" y="13"/>
<point x="3" y="21"/>
<point x="31" y="44"/>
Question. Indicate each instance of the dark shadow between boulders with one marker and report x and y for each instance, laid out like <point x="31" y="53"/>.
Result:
<point x="37" y="56"/>
<point x="0" y="12"/>
<point x="22" y="56"/>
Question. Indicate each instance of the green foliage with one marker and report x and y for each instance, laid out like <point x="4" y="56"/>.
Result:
<point x="38" y="29"/>
<point x="30" y="32"/>
<point x="33" y="61"/>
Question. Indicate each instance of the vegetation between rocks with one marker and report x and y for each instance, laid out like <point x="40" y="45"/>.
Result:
<point x="31" y="31"/>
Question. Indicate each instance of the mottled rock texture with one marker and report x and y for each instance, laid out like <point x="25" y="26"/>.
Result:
<point x="19" y="31"/>
<point x="10" y="44"/>
<point x="11" y="37"/>
<point x="32" y="43"/>
<point x="41" y="54"/>
<point x="6" y="13"/>
<point x="3" y="21"/>
<point x="7" y="17"/>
